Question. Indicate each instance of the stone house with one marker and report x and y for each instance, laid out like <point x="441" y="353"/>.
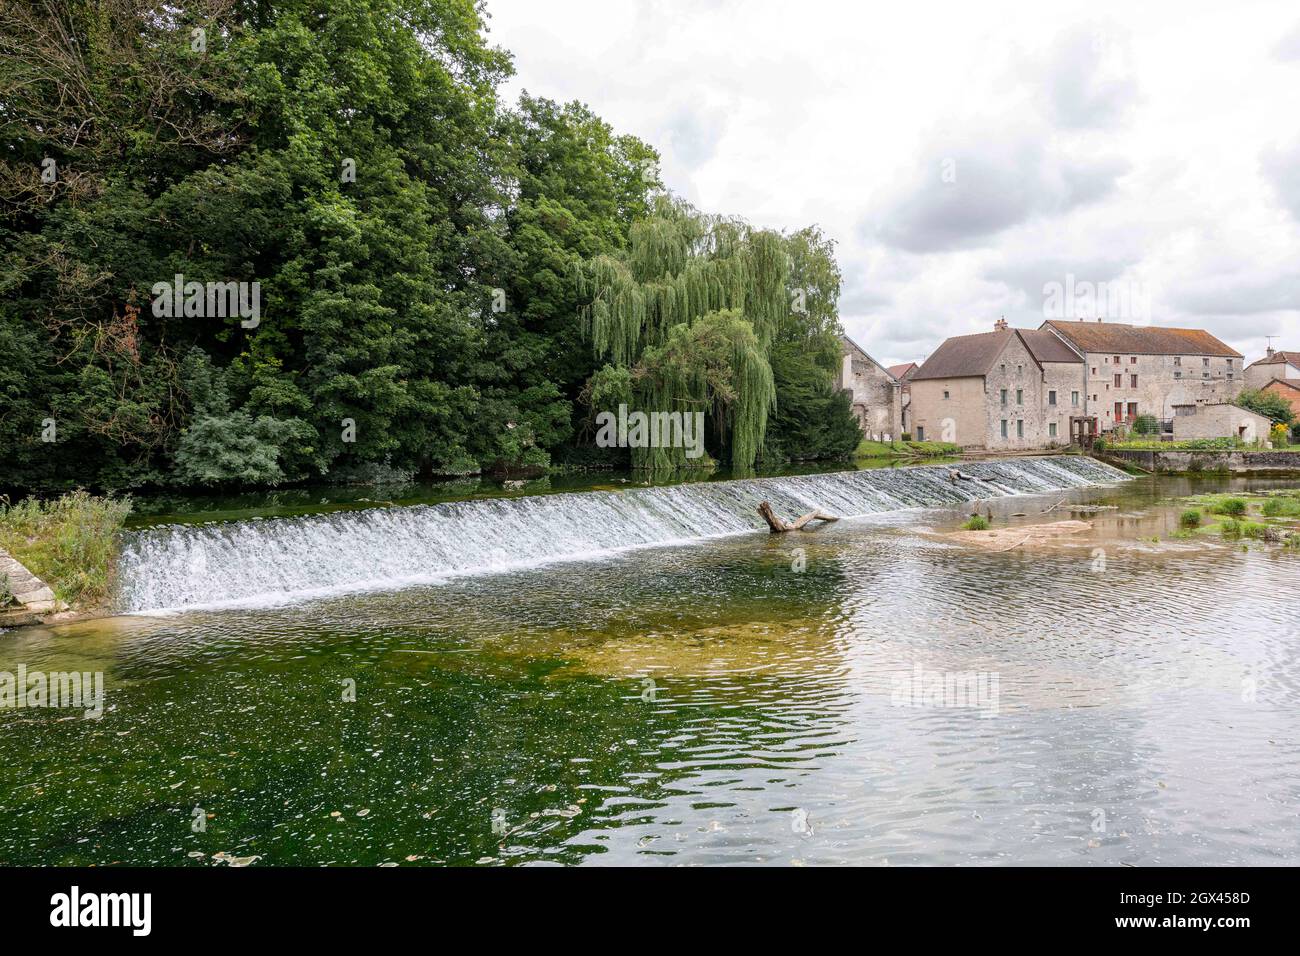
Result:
<point x="875" y="393"/>
<point x="1219" y="420"/>
<point x="1132" y="370"/>
<point x="904" y="375"/>
<point x="1275" y="365"/>
<point x="1009" y="389"/>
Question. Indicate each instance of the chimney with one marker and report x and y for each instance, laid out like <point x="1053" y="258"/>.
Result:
<point x="1268" y="352"/>
<point x="1000" y="325"/>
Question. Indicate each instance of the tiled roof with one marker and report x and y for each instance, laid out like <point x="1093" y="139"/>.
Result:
<point x="904" y="371"/>
<point x="1118" y="338"/>
<point x="1277" y="358"/>
<point x="1047" y="347"/>
<point x="964" y="356"/>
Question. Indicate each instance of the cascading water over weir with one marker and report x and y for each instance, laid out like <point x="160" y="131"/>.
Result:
<point x="185" y="566"/>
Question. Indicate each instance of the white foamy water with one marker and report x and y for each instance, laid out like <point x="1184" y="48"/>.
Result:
<point x="268" y="561"/>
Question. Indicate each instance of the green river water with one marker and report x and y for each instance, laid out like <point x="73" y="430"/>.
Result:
<point x="733" y="700"/>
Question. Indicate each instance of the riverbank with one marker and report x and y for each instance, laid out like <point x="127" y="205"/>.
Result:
<point x="60" y="556"/>
<point x="906" y="449"/>
<point x="1193" y="461"/>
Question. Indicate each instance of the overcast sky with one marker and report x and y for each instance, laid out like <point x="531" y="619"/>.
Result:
<point x="966" y="156"/>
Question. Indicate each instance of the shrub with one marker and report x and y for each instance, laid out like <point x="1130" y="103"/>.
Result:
<point x="1230" y="528"/>
<point x="1146" y="425"/>
<point x="1190" y="518"/>
<point x="976" y="523"/>
<point x="69" y="542"/>
<point x="1230" y="506"/>
<point x="1281" y="506"/>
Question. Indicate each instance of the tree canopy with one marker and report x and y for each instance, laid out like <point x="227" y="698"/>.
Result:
<point x="424" y="254"/>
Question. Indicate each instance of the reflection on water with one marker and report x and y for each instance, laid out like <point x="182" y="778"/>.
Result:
<point x="702" y="704"/>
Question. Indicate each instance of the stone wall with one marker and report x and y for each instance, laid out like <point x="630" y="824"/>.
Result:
<point x="1237" y="462"/>
<point x="874" y="394"/>
<point x="1163" y="381"/>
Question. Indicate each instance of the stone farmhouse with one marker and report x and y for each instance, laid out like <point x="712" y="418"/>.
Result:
<point x="1008" y="389"/>
<point x="1132" y="370"/>
<point x="875" y="393"/>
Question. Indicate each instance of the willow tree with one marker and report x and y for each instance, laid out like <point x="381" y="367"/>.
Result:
<point x="692" y="309"/>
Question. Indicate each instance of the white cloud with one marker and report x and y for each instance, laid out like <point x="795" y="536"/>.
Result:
<point x="1103" y="139"/>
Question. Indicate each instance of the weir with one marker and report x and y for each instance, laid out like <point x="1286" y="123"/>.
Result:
<point x="180" y="566"/>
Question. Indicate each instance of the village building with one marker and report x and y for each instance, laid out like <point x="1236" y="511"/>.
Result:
<point x="874" y="393"/>
<point x="1133" y="370"/>
<point x="1009" y="389"/>
<point x="1219" y="420"/>
<point x="904" y="375"/>
<point x="1274" y="366"/>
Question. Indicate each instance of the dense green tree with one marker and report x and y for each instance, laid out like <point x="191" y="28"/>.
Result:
<point x="417" y="250"/>
<point x="1267" y="404"/>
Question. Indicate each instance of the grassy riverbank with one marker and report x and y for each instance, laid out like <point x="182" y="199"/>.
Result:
<point x="68" y="542"/>
<point x="906" y="449"/>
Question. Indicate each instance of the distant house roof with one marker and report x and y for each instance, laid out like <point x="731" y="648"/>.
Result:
<point x="1119" y="337"/>
<point x="1047" y="347"/>
<point x="903" y="372"/>
<point x="1280" y="381"/>
<point x="1279" y="358"/>
<point x="965" y="356"/>
<point x="847" y="343"/>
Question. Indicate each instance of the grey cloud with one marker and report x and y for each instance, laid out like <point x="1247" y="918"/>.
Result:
<point x="991" y="188"/>
<point x="1282" y="167"/>
<point x="1239" y="296"/>
<point x="695" y="136"/>
<point x="1030" y="275"/>
<point x="1089" y="83"/>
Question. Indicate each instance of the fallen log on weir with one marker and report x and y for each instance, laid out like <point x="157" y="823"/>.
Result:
<point x="778" y="526"/>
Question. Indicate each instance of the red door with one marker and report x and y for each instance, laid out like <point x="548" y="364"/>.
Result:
<point x="1119" y="412"/>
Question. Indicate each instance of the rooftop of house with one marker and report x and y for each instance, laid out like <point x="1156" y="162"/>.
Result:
<point x="1118" y="337"/>
<point x="972" y="356"/>
<point x="904" y="371"/>
<point x="1284" y="383"/>
<point x="848" y="345"/>
<point x="1279" y="358"/>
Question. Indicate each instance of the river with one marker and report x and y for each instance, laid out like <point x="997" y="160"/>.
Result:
<point x="649" y="678"/>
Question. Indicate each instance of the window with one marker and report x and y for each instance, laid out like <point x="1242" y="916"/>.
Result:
<point x="1051" y="397"/>
<point x="1051" y="430"/>
<point x="945" y="393"/>
<point x="1119" y="379"/>
<point x="1205" y="375"/>
<point x="1119" y="411"/>
<point x="1178" y="360"/>
<point x="1020" y="428"/>
<point x="1074" y="399"/>
<point x="1132" y="360"/>
<point x="1178" y="374"/>
<point x="1019" y="369"/>
<point x="1094" y="371"/>
<point x="1094" y="398"/>
<point x="1132" y="410"/>
<point x="1020" y="396"/>
<point x="920" y="433"/>
<point x="1205" y="362"/>
<point x="1004" y="428"/>
<point x="1133" y="381"/>
<point x="1004" y="396"/>
<point x="1116" y="359"/>
<point x="1229" y="363"/>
